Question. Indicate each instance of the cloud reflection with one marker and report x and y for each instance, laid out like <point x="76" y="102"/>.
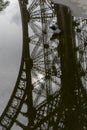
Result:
<point x="10" y="50"/>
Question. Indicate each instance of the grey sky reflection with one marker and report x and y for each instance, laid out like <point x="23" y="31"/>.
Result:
<point x="78" y="7"/>
<point x="10" y="50"/>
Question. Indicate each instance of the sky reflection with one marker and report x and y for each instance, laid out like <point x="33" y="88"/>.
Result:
<point x="10" y="50"/>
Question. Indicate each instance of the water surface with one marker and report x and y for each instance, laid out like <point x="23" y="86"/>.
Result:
<point x="10" y="50"/>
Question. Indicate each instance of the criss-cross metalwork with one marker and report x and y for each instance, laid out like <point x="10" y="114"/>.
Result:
<point x="50" y="92"/>
<point x="39" y="74"/>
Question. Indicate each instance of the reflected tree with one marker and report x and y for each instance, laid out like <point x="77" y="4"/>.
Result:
<point x="3" y="4"/>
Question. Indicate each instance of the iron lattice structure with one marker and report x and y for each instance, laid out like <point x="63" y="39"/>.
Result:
<point x="50" y="92"/>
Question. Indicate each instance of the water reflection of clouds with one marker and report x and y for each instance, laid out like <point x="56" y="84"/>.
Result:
<point x="10" y="50"/>
<point x="78" y="7"/>
<point x="12" y="12"/>
<point x="16" y="19"/>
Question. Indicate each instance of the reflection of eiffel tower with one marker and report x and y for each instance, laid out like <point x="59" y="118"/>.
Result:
<point x="64" y="108"/>
<point x="73" y="111"/>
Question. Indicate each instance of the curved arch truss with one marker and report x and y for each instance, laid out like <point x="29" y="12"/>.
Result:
<point x="53" y="70"/>
<point x="40" y="65"/>
<point x="81" y="48"/>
